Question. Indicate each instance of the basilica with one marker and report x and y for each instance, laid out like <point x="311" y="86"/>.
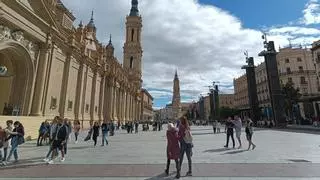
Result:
<point x="54" y="68"/>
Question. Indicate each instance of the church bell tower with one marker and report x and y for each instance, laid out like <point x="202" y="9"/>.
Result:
<point x="132" y="47"/>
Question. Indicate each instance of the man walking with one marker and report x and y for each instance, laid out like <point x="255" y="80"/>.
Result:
<point x="229" y="131"/>
<point x="238" y="126"/>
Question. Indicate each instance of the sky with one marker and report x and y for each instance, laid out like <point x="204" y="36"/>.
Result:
<point x="203" y="39"/>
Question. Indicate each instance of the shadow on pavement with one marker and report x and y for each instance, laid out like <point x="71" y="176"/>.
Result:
<point x="163" y="176"/>
<point x="197" y="134"/>
<point x="201" y="129"/>
<point x="80" y="147"/>
<point x="235" y="152"/>
<point x="216" y="150"/>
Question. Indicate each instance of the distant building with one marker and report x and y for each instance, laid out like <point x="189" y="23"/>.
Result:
<point x="226" y="100"/>
<point x="241" y="100"/>
<point x="146" y="106"/>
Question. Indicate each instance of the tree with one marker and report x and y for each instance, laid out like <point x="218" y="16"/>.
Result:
<point x="226" y="111"/>
<point x="291" y="96"/>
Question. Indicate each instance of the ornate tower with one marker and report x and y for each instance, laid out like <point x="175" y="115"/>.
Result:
<point x="176" y="103"/>
<point x="132" y="47"/>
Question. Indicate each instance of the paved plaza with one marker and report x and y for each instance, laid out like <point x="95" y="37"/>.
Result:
<point x="279" y="155"/>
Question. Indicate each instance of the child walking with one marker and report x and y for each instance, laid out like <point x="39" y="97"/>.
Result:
<point x="173" y="148"/>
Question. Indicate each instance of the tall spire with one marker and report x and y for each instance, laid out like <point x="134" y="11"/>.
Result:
<point x="110" y="43"/>
<point x="176" y="75"/>
<point x="91" y="22"/>
<point x="134" y="8"/>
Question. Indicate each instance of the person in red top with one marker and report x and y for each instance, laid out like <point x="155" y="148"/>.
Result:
<point x="173" y="148"/>
<point x="186" y="143"/>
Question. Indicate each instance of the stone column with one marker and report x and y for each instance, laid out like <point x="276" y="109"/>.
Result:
<point x="40" y="80"/>
<point x="101" y="98"/>
<point x="64" y="86"/>
<point x="127" y="105"/>
<point x="114" y="104"/>
<point x="108" y="99"/>
<point x="124" y="105"/>
<point x="78" y="92"/>
<point x="93" y="95"/>
<point x="121" y="104"/>
<point x="130" y="107"/>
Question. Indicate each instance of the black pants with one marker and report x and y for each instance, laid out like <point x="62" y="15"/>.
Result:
<point x="95" y="140"/>
<point x="177" y="165"/>
<point x="40" y="139"/>
<point x="76" y="134"/>
<point x="230" y="134"/>
<point x="186" y="148"/>
<point x="214" y="130"/>
<point x="65" y="147"/>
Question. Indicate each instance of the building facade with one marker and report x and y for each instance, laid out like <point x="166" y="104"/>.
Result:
<point x="263" y="90"/>
<point x="146" y="106"/>
<point x="241" y="100"/>
<point x="296" y="65"/>
<point x="176" y="100"/>
<point x="57" y="69"/>
<point x="226" y="100"/>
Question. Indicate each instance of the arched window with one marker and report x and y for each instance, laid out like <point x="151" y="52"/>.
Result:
<point x="131" y="62"/>
<point x="132" y="34"/>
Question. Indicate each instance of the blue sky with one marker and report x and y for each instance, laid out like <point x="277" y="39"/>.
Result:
<point x="255" y="14"/>
<point x="203" y="39"/>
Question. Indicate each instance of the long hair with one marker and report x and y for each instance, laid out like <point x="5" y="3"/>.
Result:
<point x="184" y="121"/>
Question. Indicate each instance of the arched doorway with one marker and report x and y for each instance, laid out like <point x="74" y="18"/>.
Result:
<point x="16" y="89"/>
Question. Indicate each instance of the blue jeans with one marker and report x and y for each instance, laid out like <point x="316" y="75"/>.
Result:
<point x="104" y="137"/>
<point x="13" y="150"/>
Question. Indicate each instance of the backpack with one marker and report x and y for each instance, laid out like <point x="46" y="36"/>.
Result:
<point x="188" y="136"/>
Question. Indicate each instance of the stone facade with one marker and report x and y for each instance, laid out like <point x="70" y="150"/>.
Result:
<point x="241" y="100"/>
<point x="57" y="69"/>
<point x="176" y="100"/>
<point x="226" y="100"/>
<point x="146" y="106"/>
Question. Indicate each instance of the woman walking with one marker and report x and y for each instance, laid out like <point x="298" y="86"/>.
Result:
<point x="186" y="144"/>
<point x="17" y="138"/>
<point x="173" y="149"/>
<point x="249" y="133"/>
<point x="95" y="135"/>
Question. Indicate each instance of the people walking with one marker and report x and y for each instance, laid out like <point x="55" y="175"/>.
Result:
<point x="95" y="134"/>
<point x="42" y="133"/>
<point x="186" y="143"/>
<point x="60" y="138"/>
<point x="249" y="133"/>
<point x="7" y="131"/>
<point x="67" y="124"/>
<point x="136" y="127"/>
<point x="215" y="122"/>
<point x="52" y="134"/>
<point x="173" y="149"/>
<point x="238" y="126"/>
<point x="105" y="127"/>
<point x="229" y="131"/>
<point x="76" y="129"/>
<point x="17" y="138"/>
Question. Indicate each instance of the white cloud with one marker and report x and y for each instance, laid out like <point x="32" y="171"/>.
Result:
<point x="311" y="13"/>
<point x="203" y="42"/>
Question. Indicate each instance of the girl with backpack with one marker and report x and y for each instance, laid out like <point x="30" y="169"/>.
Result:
<point x="186" y="144"/>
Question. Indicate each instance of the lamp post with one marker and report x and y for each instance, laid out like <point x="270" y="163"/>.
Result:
<point x="276" y="96"/>
<point x="252" y="88"/>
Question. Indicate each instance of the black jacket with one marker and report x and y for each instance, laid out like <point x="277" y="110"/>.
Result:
<point x="96" y="130"/>
<point x="61" y="133"/>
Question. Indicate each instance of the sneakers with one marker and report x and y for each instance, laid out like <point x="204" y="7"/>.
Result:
<point x="4" y="163"/>
<point x="189" y="173"/>
<point x="50" y="162"/>
<point x="253" y="147"/>
<point x="46" y="159"/>
<point x="166" y="172"/>
<point x="63" y="159"/>
<point x="76" y="142"/>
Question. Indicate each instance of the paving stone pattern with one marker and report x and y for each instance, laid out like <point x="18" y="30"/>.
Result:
<point x="279" y="154"/>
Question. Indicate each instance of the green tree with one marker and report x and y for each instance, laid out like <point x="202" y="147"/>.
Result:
<point x="291" y="96"/>
<point x="226" y="111"/>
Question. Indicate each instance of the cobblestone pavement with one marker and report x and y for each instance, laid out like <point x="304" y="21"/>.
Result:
<point x="279" y="155"/>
